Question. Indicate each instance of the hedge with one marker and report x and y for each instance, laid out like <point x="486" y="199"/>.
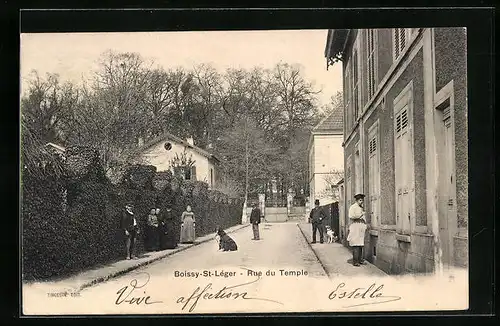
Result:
<point x="63" y="236"/>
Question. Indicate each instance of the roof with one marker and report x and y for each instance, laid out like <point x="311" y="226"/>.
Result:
<point x="335" y="44"/>
<point x="332" y="122"/>
<point x="169" y="136"/>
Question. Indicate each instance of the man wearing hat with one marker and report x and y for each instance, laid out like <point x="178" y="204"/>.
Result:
<point x="129" y="225"/>
<point x="357" y="229"/>
<point x="316" y="217"/>
<point x="255" y="220"/>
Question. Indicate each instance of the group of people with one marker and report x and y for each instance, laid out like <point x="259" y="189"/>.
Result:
<point x="357" y="227"/>
<point x="162" y="230"/>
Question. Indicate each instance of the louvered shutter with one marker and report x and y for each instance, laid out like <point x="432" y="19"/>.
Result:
<point x="396" y="43"/>
<point x="399" y="173"/>
<point x="404" y="171"/>
<point x="402" y="39"/>
<point x="373" y="178"/>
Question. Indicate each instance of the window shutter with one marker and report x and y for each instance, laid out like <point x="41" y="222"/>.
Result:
<point x="402" y="39"/>
<point x="373" y="177"/>
<point x="396" y="43"/>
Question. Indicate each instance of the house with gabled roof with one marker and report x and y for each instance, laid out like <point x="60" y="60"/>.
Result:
<point x="326" y="156"/>
<point x="161" y="150"/>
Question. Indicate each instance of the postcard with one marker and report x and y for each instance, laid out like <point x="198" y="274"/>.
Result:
<point x="268" y="171"/>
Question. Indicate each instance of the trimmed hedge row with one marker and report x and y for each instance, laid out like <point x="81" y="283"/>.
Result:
<point x="73" y="223"/>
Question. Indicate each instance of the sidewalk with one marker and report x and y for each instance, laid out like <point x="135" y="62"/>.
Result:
<point x="103" y="273"/>
<point x="334" y="257"/>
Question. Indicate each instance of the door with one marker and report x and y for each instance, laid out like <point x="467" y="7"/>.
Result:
<point x="447" y="190"/>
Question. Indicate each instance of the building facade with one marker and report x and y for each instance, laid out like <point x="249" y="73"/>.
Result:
<point x="326" y="157"/>
<point x="405" y="142"/>
<point x="160" y="151"/>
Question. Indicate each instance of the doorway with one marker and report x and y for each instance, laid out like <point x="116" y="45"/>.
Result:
<point x="447" y="212"/>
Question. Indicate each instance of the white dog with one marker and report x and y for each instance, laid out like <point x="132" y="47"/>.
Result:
<point x="330" y="235"/>
<point x="217" y="240"/>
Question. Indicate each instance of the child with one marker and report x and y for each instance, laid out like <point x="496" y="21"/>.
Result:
<point x="356" y="239"/>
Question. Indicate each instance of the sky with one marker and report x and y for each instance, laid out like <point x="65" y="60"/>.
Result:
<point x="74" y="55"/>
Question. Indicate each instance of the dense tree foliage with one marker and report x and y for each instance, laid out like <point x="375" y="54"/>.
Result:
<point x="257" y="120"/>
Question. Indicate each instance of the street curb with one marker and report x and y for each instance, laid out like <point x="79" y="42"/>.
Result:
<point x="314" y="252"/>
<point x="144" y="263"/>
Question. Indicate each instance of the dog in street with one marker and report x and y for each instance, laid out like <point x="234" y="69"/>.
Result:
<point x="226" y="243"/>
<point x="330" y="235"/>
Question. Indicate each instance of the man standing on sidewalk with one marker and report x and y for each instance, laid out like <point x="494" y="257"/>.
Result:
<point x="316" y="217"/>
<point x="357" y="229"/>
<point x="255" y="220"/>
<point x="129" y="225"/>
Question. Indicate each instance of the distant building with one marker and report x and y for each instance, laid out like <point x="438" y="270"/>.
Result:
<point x="326" y="155"/>
<point x="160" y="151"/>
<point x="405" y="142"/>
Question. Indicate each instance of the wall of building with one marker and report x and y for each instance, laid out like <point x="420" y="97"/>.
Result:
<point x="384" y="247"/>
<point x="392" y="255"/>
<point x="451" y="65"/>
<point x="326" y="155"/>
<point x="384" y="46"/>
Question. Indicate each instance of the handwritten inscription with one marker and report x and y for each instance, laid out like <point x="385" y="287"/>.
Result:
<point x="370" y="295"/>
<point x="225" y="293"/>
<point x="128" y="294"/>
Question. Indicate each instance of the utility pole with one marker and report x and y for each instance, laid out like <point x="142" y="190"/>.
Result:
<point x="245" y="204"/>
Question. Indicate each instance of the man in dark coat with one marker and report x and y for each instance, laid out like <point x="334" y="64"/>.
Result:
<point x="131" y="228"/>
<point x="317" y="216"/>
<point x="255" y="220"/>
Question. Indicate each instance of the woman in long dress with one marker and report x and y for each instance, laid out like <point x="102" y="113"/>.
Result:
<point x="187" y="226"/>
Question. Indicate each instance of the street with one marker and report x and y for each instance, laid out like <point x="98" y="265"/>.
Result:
<point x="282" y="250"/>
<point x="279" y="273"/>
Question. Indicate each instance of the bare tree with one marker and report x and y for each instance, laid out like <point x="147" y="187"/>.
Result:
<point x="331" y="179"/>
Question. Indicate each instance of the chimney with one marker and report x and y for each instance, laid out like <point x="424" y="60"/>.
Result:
<point x="190" y="141"/>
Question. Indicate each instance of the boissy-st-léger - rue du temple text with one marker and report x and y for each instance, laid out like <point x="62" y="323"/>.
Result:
<point x="246" y="272"/>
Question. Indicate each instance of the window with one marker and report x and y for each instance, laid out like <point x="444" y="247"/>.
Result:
<point x="374" y="176"/>
<point x="400" y="40"/>
<point x="371" y="82"/>
<point x="192" y="173"/>
<point x="404" y="167"/>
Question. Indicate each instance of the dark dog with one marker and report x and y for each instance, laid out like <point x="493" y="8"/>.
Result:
<point x="226" y="243"/>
